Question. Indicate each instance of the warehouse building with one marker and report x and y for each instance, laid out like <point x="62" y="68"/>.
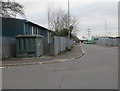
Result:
<point x="12" y="27"/>
<point x="111" y="40"/>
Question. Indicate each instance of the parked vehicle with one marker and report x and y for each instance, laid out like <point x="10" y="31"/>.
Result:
<point x="88" y="42"/>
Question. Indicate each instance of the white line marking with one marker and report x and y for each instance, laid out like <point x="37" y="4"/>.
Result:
<point x="2" y="67"/>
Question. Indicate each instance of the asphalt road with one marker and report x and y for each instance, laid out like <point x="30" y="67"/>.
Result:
<point x="97" y="69"/>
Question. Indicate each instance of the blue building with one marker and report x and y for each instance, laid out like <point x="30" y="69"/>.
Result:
<point x="12" y="27"/>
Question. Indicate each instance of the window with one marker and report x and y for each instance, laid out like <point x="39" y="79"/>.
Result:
<point x="34" y="30"/>
<point x="26" y="28"/>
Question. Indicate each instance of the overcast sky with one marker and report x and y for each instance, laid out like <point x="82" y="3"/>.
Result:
<point x="91" y="13"/>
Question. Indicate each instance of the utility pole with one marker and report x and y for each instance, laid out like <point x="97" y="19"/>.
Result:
<point x="68" y="25"/>
<point x="48" y="13"/>
<point x="106" y="26"/>
<point x="68" y="14"/>
<point x="88" y="32"/>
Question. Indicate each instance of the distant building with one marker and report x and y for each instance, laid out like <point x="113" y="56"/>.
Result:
<point x="111" y="40"/>
<point x="85" y="39"/>
<point x="12" y="27"/>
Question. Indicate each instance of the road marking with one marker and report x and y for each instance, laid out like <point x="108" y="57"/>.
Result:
<point x="2" y="67"/>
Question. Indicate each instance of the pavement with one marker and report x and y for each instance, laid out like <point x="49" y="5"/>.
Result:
<point x="75" y="53"/>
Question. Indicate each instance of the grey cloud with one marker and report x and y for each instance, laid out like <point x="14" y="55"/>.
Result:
<point x="91" y="15"/>
<point x="97" y="8"/>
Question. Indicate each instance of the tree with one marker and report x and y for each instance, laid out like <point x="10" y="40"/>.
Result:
<point x="55" y="19"/>
<point x="58" y="20"/>
<point x="10" y="9"/>
<point x="63" y="33"/>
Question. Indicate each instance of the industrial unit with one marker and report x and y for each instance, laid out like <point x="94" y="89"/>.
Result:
<point x="111" y="40"/>
<point x="12" y="27"/>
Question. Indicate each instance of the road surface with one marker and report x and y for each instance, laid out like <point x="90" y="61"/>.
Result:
<point x="97" y="69"/>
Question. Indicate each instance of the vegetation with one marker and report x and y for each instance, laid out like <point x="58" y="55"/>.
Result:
<point x="60" y="22"/>
<point x="10" y="9"/>
<point x="63" y="33"/>
<point x="5" y="58"/>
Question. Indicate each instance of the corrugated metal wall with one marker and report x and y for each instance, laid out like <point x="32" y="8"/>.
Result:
<point x="59" y="44"/>
<point x="12" y="27"/>
<point x="111" y="41"/>
<point x="0" y="46"/>
<point x="8" y="47"/>
<point x="0" y="37"/>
